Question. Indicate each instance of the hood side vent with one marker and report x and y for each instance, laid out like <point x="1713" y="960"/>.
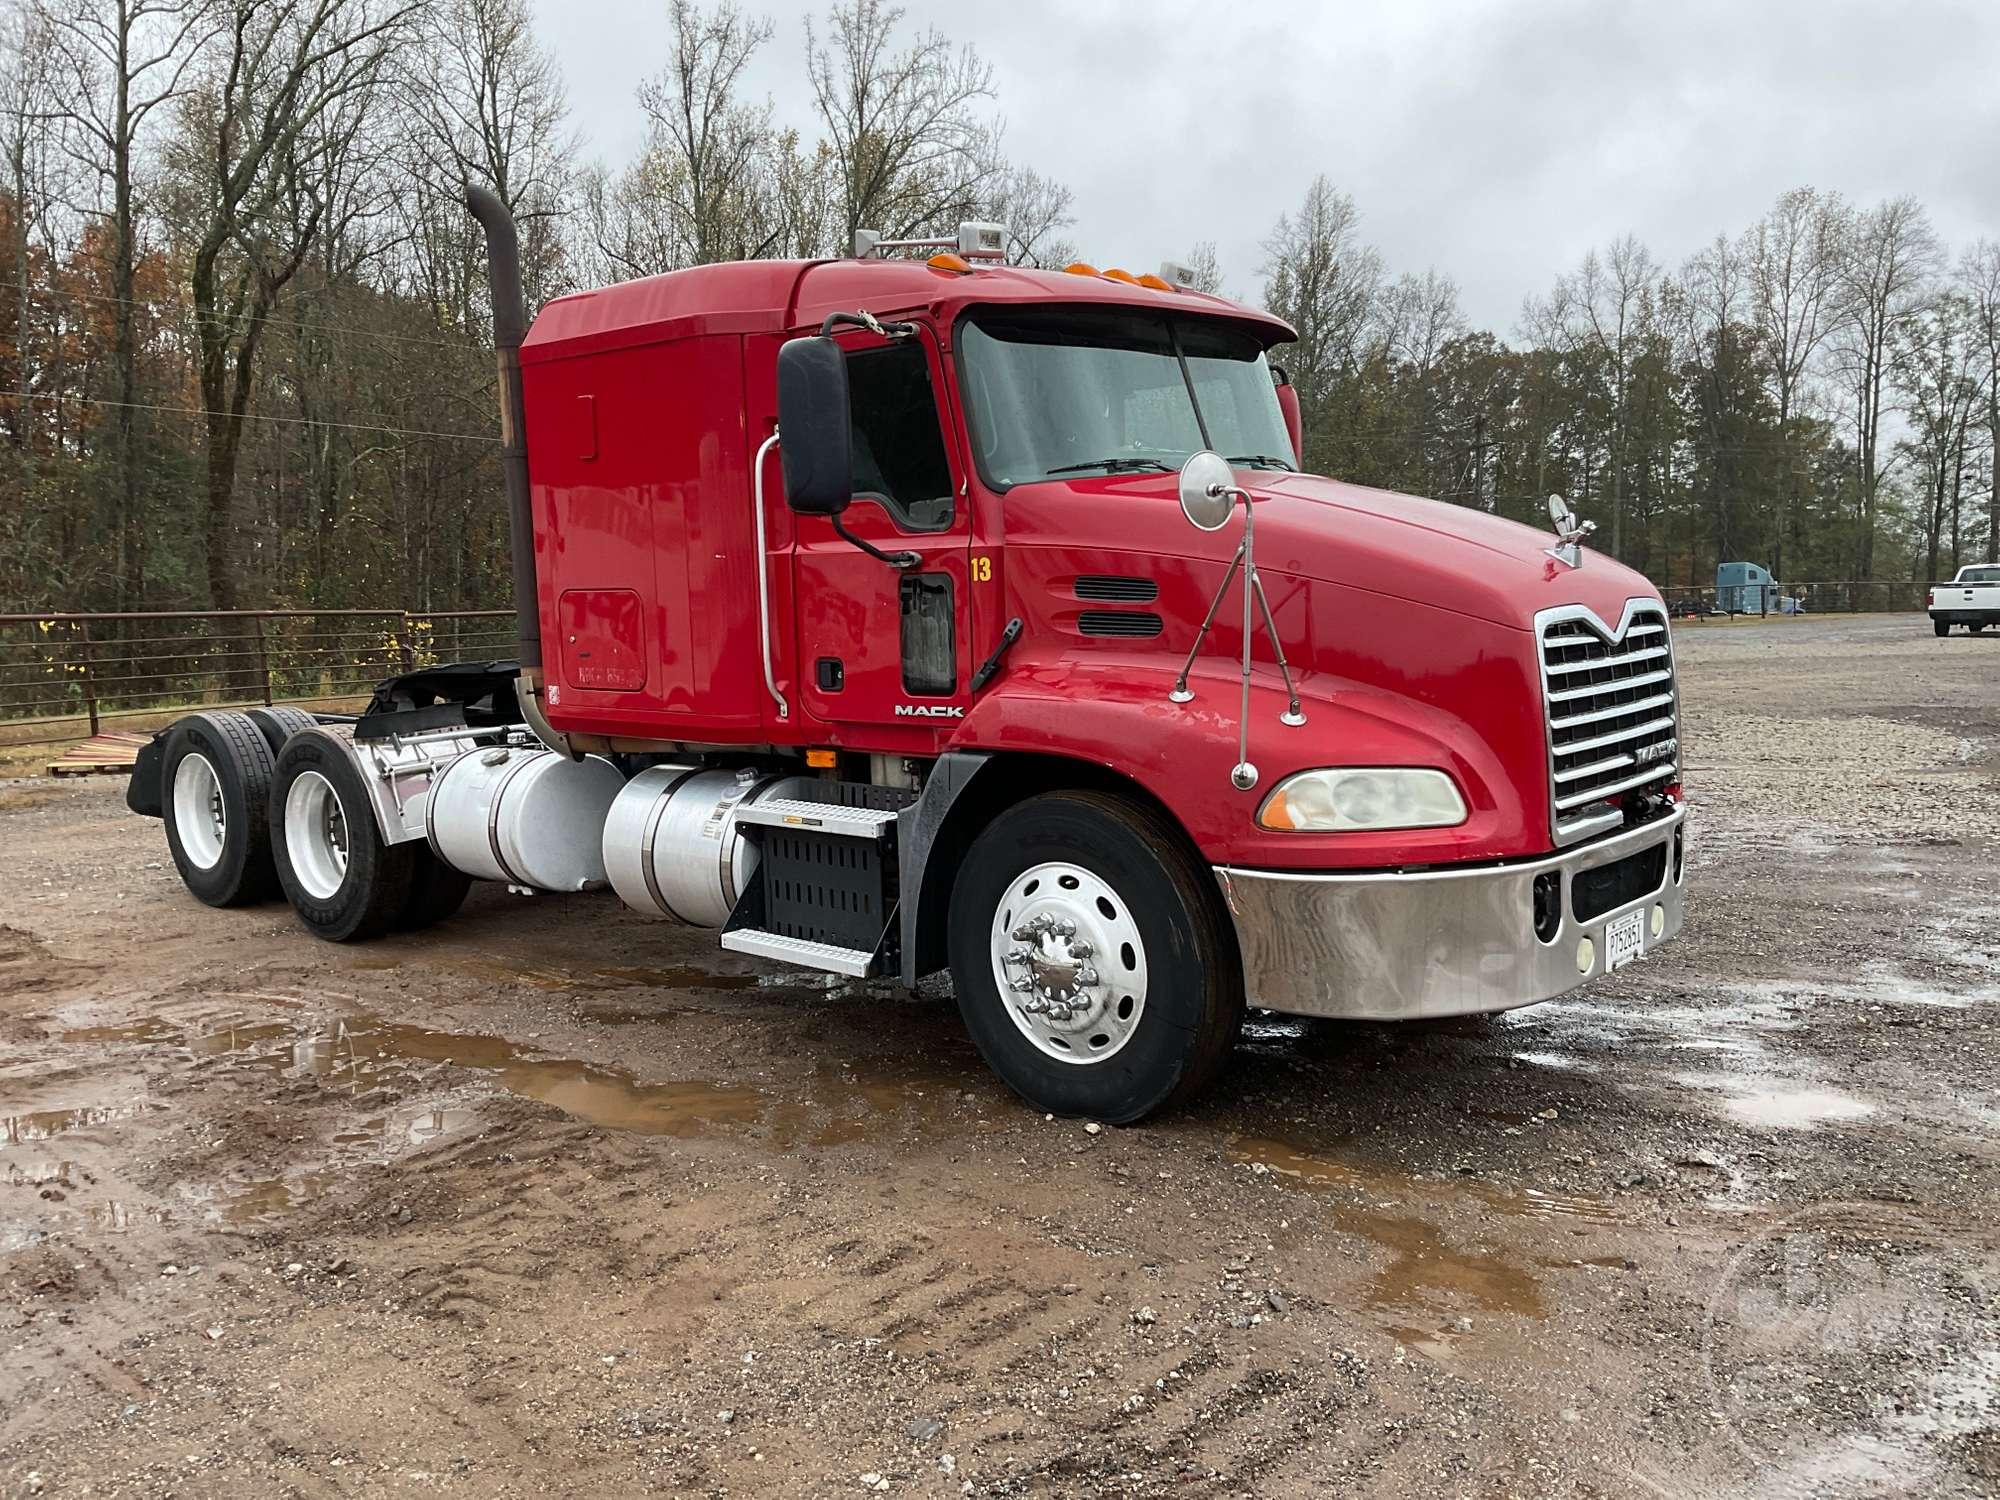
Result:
<point x="1107" y="588"/>
<point x="1136" y="624"/>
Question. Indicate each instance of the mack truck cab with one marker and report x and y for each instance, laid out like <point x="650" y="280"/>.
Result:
<point x="893" y="614"/>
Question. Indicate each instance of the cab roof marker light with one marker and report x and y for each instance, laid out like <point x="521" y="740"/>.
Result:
<point x="1115" y="274"/>
<point x="1081" y="268"/>
<point x="946" y="261"/>
<point x="975" y="240"/>
<point x="1155" y="283"/>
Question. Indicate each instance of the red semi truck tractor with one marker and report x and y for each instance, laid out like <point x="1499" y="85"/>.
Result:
<point x="890" y="615"/>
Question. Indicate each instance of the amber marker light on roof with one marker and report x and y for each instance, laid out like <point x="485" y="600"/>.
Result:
<point x="1115" y="274"/>
<point x="1155" y="283"/>
<point x="1080" y="268"/>
<point x="946" y="261"/>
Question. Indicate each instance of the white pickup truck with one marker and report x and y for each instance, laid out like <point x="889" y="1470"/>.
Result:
<point x="1972" y="599"/>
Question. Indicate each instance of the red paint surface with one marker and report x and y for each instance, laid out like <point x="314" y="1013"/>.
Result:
<point x="1408" y="622"/>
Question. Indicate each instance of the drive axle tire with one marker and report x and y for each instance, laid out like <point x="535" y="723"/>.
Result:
<point x="344" y="882"/>
<point x="215" y="776"/>
<point x="1941" y="627"/>
<point x="279" y="724"/>
<point x="1092" y="959"/>
<point x="436" y="891"/>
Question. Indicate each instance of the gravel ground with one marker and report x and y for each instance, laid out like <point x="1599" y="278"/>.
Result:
<point x="550" y="1200"/>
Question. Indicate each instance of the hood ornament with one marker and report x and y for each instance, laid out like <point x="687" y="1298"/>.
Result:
<point x="1209" y="493"/>
<point x="1570" y="533"/>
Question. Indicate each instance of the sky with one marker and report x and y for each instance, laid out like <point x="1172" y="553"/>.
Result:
<point x="1496" y="141"/>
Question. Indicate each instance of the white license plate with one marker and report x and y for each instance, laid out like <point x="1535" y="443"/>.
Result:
<point x="1624" y="939"/>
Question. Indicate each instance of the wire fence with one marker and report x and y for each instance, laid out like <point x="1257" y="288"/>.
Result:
<point x="64" y="676"/>
<point x="1875" y="596"/>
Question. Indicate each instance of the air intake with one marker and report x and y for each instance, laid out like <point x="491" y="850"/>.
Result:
<point x="1119" y="622"/>
<point x="1108" y="588"/>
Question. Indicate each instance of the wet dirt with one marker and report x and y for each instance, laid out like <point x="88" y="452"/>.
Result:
<point x="528" y="1203"/>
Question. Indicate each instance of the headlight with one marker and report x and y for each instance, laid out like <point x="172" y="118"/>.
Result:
<point x="1349" y="801"/>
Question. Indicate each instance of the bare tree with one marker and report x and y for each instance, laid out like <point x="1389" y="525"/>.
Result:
<point x="29" y="102"/>
<point x="912" y="149"/>
<point x="1711" y="300"/>
<point x="1322" y="280"/>
<point x="1793" y="254"/>
<point x="1936" y="364"/>
<point x="495" y="112"/>
<point x="1979" y="280"/>
<point x="273" y="113"/>
<point x="1600" y="315"/>
<point x="1889" y="258"/>
<point x="1032" y="208"/>
<point x="121" y="60"/>
<point x="1204" y="268"/>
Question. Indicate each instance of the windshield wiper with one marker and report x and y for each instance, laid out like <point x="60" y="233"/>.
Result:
<point x="1116" y="466"/>
<point x="1261" y="461"/>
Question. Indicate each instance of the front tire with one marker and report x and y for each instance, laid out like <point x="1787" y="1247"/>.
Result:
<point x="343" y="881"/>
<point x="1091" y="957"/>
<point x="216" y="777"/>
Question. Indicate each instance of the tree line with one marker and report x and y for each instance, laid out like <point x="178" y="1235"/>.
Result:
<point x="244" y="347"/>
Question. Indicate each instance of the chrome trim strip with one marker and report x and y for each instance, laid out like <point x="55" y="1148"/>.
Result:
<point x="1456" y="941"/>
<point x="1615" y="711"/>
<point x="763" y="580"/>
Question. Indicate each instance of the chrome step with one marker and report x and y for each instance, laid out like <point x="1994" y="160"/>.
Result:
<point x="816" y="817"/>
<point x="853" y="962"/>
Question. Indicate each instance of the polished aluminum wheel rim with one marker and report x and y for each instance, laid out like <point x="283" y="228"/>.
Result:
<point x="199" y="816"/>
<point x="316" y="835"/>
<point x="1069" y="963"/>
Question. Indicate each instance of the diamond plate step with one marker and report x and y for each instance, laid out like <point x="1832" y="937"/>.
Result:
<point x="817" y="817"/>
<point x="853" y="962"/>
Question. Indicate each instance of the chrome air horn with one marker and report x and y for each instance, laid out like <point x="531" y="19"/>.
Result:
<point x="1209" y="493"/>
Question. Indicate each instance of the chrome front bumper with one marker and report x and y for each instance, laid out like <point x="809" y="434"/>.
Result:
<point x="1400" y="947"/>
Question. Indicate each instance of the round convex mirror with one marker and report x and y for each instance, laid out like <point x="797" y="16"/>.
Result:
<point x="1208" y="491"/>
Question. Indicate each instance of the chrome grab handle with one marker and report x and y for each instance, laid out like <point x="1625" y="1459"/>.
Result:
<point x="763" y="581"/>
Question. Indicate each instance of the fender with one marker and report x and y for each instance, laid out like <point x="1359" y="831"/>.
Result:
<point x="1113" y="711"/>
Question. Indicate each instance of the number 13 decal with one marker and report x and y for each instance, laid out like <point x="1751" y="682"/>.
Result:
<point x="982" y="570"/>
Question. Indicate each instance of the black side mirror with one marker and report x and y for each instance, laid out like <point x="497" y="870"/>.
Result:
<point x="816" y="440"/>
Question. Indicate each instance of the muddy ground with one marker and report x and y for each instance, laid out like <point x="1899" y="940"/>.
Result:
<point x="551" y="1201"/>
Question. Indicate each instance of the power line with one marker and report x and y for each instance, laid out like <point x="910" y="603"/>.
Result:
<point x="328" y="328"/>
<point x="252" y="416"/>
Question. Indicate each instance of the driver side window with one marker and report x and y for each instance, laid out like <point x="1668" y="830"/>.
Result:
<point x="899" y="455"/>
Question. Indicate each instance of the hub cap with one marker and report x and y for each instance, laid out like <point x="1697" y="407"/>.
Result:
<point x="199" y="818"/>
<point x="1069" y="963"/>
<point x="316" y="835"/>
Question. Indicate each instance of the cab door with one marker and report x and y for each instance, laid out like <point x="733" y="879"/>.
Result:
<point x="878" y="643"/>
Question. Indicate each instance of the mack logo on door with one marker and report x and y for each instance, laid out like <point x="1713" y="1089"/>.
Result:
<point x="929" y="711"/>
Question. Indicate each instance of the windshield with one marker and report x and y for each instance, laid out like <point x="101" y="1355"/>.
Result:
<point x="1089" y="391"/>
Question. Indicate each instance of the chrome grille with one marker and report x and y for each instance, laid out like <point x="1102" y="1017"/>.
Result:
<point x="1613" y="713"/>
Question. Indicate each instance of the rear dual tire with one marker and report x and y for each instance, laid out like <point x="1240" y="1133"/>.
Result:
<point x="1091" y="958"/>
<point x="215" y="776"/>
<point x="345" y="883"/>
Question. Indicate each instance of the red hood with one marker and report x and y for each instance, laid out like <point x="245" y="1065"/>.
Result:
<point x="1448" y="555"/>
<point x="1376" y="541"/>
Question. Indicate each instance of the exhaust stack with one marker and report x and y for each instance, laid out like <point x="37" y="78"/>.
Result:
<point x="510" y="322"/>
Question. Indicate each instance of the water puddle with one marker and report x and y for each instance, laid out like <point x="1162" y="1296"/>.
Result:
<point x="365" y="1053"/>
<point x="1425" y="1273"/>
<point x="46" y="1124"/>
<point x="671" y="977"/>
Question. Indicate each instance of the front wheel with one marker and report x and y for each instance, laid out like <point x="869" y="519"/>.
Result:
<point x="1091" y="958"/>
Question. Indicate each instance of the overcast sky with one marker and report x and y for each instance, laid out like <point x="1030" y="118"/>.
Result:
<point x="1496" y="141"/>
